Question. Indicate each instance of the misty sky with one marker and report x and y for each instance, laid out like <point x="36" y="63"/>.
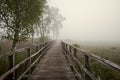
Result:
<point x="90" y="20"/>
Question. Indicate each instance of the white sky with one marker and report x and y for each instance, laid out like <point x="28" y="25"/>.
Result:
<point x="90" y="20"/>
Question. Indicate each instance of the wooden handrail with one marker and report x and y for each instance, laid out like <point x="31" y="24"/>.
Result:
<point x="80" y="65"/>
<point x="89" y="76"/>
<point x="26" y="59"/>
<point x="19" y="50"/>
<point x="31" y="65"/>
<point x="77" y="73"/>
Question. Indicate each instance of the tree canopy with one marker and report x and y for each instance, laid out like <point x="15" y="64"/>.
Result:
<point x="22" y="18"/>
<point x="17" y="18"/>
<point x="51" y="22"/>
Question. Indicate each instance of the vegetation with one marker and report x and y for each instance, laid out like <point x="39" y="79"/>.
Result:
<point x="50" y="22"/>
<point x="17" y="18"/>
<point x="23" y="21"/>
<point x="110" y="53"/>
<point x="20" y="19"/>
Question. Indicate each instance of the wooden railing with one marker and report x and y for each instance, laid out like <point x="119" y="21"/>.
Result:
<point x="76" y="66"/>
<point x="29" y="62"/>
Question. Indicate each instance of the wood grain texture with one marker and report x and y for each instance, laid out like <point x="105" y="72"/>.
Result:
<point x="53" y="66"/>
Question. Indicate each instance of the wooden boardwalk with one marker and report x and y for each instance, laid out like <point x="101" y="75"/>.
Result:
<point x="53" y="66"/>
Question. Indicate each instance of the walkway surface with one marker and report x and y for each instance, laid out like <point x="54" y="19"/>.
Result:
<point x="53" y="66"/>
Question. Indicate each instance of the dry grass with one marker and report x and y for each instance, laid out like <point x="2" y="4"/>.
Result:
<point x="110" y="53"/>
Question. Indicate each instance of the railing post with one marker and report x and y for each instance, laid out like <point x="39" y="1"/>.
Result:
<point x="63" y="46"/>
<point x="11" y="65"/>
<point x="75" y="53"/>
<point x="66" y="48"/>
<point x="0" y="49"/>
<point x="45" y="43"/>
<point x="70" y="49"/>
<point x="29" y="55"/>
<point x="40" y="46"/>
<point x="86" y="65"/>
<point x="36" y="48"/>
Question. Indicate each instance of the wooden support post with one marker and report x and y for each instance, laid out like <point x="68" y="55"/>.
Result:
<point x="63" y="48"/>
<point x="29" y="62"/>
<point x="36" y="48"/>
<point x="66" y="48"/>
<point x="71" y="66"/>
<point x="86" y="65"/>
<point x="0" y="49"/>
<point x="40" y="46"/>
<point x="70" y="49"/>
<point x="45" y="44"/>
<point x="11" y="59"/>
<point x="63" y="45"/>
<point x="75" y="53"/>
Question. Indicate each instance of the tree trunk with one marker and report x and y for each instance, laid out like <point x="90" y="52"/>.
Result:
<point x="32" y="41"/>
<point x="11" y="60"/>
<point x="1" y="46"/>
<point x="13" y="45"/>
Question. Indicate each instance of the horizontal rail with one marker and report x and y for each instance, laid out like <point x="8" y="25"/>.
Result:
<point x="106" y="62"/>
<point x="88" y="75"/>
<point x="18" y="50"/>
<point x="82" y="67"/>
<point x="22" y="62"/>
<point x="77" y="73"/>
<point x="31" y="65"/>
<point x="98" y="58"/>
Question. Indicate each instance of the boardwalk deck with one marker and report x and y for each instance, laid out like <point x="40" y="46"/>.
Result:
<point x="53" y="66"/>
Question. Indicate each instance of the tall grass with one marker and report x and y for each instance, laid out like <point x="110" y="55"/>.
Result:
<point x="98" y="69"/>
<point x="19" y="56"/>
<point x="110" y="52"/>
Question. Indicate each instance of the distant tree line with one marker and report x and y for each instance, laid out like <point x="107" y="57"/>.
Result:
<point x="22" y="19"/>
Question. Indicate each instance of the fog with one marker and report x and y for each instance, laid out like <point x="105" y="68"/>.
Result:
<point x="90" y="20"/>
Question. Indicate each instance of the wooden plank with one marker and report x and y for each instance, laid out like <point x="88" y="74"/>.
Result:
<point x="17" y="66"/>
<point x="21" y="76"/>
<point x="86" y="65"/>
<point x="53" y="67"/>
<point x="81" y="66"/>
<point x="73" y="68"/>
<point x="11" y="61"/>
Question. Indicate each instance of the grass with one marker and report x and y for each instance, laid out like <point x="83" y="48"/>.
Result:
<point x="3" y="65"/>
<point x="18" y="57"/>
<point x="109" y="53"/>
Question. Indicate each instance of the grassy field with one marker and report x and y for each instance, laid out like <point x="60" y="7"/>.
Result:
<point x="6" y="45"/>
<point x="107" y="50"/>
<point x="111" y="53"/>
